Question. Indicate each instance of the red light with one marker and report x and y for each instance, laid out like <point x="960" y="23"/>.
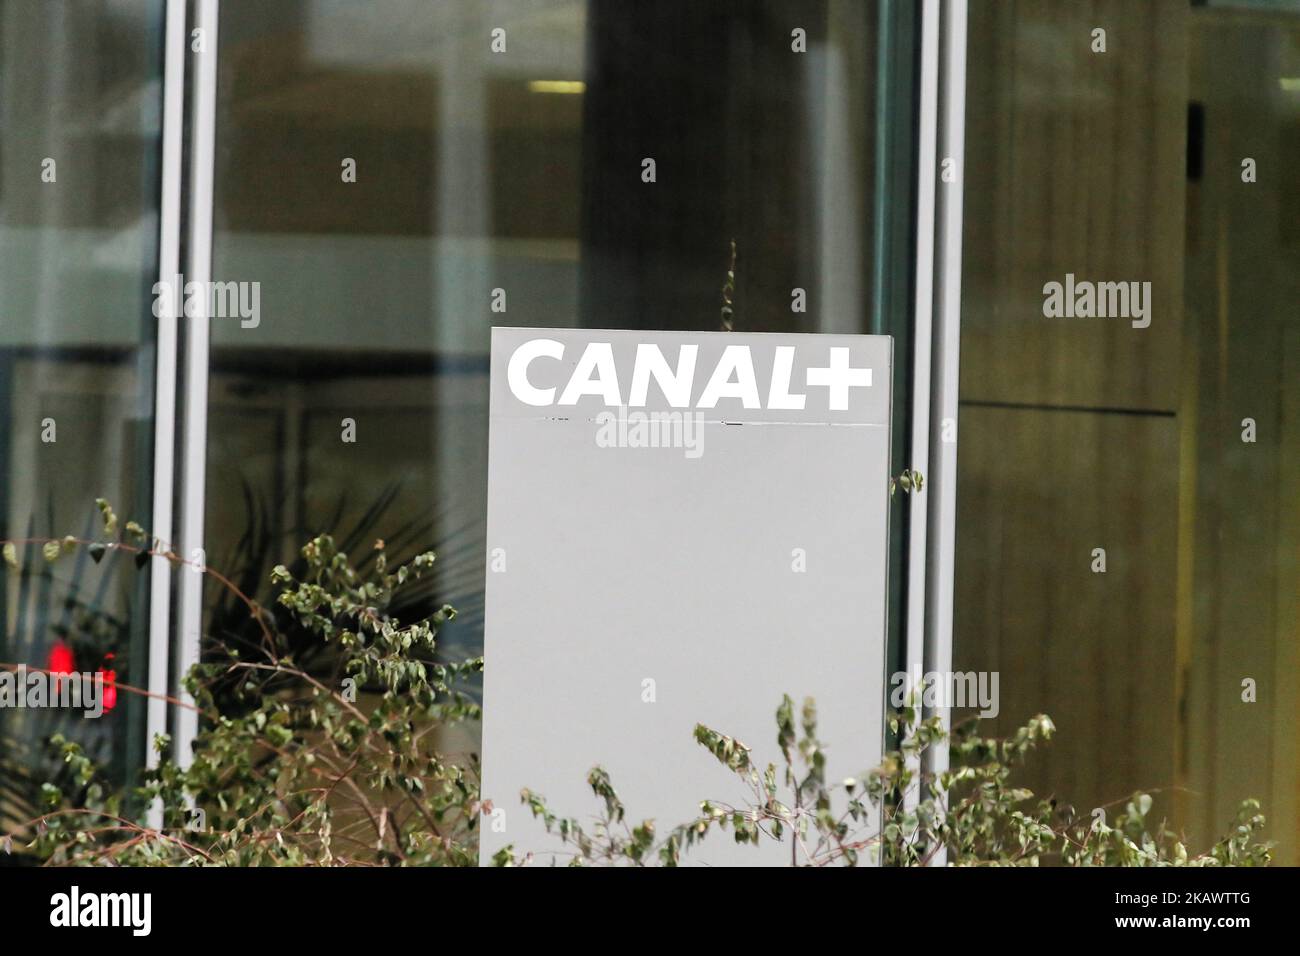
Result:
<point x="110" y="689"/>
<point x="110" y="684"/>
<point x="61" y="660"/>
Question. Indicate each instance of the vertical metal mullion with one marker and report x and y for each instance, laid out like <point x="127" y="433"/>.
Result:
<point x="198" y="269"/>
<point x="947" y="340"/>
<point x="927" y="132"/>
<point x="164" y="449"/>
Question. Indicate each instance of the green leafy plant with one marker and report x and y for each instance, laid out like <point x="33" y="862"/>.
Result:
<point x="320" y="744"/>
<point x="260" y="547"/>
<point x="290" y="767"/>
<point x="80" y="609"/>
<point x="894" y="813"/>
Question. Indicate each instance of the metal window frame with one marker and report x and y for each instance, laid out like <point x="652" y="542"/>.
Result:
<point x="922" y="338"/>
<point x="180" y="415"/>
<point x="198" y="269"/>
<point x="931" y="566"/>
<point x="169" y="242"/>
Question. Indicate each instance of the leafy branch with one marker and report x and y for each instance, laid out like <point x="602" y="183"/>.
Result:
<point x="292" y="765"/>
<point x="893" y="813"/>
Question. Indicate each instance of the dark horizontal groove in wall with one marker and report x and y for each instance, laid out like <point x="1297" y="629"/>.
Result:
<point x="97" y="354"/>
<point x="320" y="365"/>
<point x="1090" y="409"/>
<point x="302" y="364"/>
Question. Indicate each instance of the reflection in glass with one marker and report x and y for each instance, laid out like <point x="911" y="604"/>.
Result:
<point x="501" y="188"/>
<point x="1086" y="440"/>
<point x="80" y="93"/>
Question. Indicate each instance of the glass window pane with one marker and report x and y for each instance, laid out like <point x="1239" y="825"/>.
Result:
<point x="80" y="98"/>
<point x="1126" y="553"/>
<point x="512" y="187"/>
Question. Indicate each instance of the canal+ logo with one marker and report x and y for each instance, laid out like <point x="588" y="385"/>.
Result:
<point x="733" y="377"/>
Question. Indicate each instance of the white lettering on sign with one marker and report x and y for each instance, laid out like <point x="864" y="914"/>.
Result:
<point x="838" y="377"/>
<point x="733" y="377"/>
<point x="517" y="373"/>
<point x="779" y="396"/>
<point x="676" y="386"/>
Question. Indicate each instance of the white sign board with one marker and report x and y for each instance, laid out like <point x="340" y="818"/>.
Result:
<point x="682" y="527"/>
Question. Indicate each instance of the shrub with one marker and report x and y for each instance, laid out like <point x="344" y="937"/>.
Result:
<point x="333" y="765"/>
<point x="336" y="762"/>
<point x="894" y="813"/>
